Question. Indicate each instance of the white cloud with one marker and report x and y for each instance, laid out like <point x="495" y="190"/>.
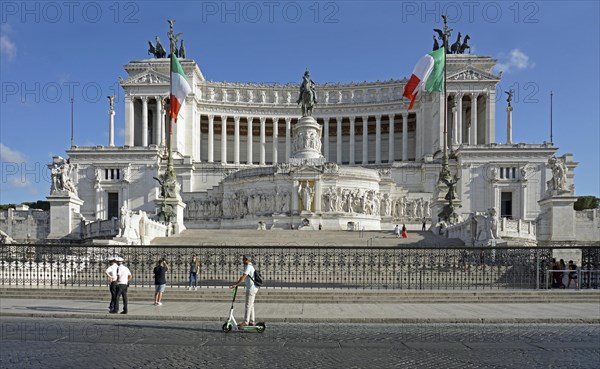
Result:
<point x="8" y="49"/>
<point x="515" y="60"/>
<point x="8" y="155"/>
<point x="13" y="177"/>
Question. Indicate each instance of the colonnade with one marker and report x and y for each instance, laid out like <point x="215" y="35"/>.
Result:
<point x="273" y="124"/>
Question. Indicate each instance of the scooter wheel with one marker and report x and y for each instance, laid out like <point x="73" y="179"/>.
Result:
<point x="226" y="327"/>
<point x="260" y="327"/>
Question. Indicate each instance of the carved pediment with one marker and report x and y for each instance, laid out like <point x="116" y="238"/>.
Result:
<point x="471" y="73"/>
<point x="148" y="77"/>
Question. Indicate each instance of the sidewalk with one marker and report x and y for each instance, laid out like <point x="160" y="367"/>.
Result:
<point x="312" y="312"/>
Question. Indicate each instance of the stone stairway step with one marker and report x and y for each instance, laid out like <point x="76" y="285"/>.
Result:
<point x="312" y="296"/>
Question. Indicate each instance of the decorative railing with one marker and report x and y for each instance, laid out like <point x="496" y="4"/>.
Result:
<point x="305" y="267"/>
<point x="522" y="229"/>
<point x="101" y="229"/>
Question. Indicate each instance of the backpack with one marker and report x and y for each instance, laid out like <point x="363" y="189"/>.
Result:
<point x="257" y="279"/>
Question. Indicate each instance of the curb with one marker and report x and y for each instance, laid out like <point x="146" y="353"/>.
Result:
<point x="318" y="320"/>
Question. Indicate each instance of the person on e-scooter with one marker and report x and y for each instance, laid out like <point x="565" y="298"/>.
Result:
<point x="251" y="291"/>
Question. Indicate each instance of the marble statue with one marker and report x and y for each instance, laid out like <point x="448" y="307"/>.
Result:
<point x="61" y="177"/>
<point x="558" y="182"/>
<point x="123" y="220"/>
<point x="306" y="193"/>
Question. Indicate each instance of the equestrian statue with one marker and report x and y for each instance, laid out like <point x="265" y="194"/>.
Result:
<point x="308" y="96"/>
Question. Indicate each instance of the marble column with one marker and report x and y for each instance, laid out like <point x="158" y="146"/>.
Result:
<point x="365" y="140"/>
<point x="454" y="124"/>
<point x="378" y="139"/>
<point x="144" y="121"/>
<point x="326" y="138"/>
<point x="419" y="149"/>
<point x="288" y="139"/>
<point x="223" y="139"/>
<point x="160" y="138"/>
<point x="111" y="127"/>
<point x="236" y="140"/>
<point x="263" y="141"/>
<point x="391" y="139"/>
<point x="129" y="120"/>
<point x="490" y="114"/>
<point x="339" y="140"/>
<point x="352" y="119"/>
<point x="249" y="141"/>
<point x="211" y="138"/>
<point x="459" y="118"/>
<point x="404" y="136"/>
<point x="275" y="139"/>
<point x="474" y="118"/>
<point x="509" y="110"/>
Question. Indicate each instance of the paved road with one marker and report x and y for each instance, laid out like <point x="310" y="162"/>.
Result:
<point x="85" y="343"/>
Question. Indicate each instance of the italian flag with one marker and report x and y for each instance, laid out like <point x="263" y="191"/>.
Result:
<point x="428" y="75"/>
<point x="180" y="88"/>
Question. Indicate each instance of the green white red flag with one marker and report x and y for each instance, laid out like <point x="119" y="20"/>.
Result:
<point x="428" y="75"/>
<point x="180" y="88"/>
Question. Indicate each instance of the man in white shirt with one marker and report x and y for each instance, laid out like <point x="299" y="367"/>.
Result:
<point x="111" y="273"/>
<point x="123" y="278"/>
<point x="251" y="290"/>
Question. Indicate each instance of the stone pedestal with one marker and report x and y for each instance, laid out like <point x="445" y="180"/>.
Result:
<point x="65" y="217"/>
<point x="556" y="222"/>
<point x="177" y="206"/>
<point x="306" y="142"/>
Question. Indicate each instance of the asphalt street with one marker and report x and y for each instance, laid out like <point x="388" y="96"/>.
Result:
<point x="87" y="343"/>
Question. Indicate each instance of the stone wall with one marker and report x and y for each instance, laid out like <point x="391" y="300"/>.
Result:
<point x="21" y="225"/>
<point x="587" y="225"/>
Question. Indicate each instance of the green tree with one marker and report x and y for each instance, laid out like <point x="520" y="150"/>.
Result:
<point x="586" y="202"/>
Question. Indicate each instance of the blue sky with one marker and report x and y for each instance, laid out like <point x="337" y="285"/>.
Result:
<point x="52" y="50"/>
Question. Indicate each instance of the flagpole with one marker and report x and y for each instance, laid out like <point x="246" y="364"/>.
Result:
<point x="445" y="171"/>
<point x="551" y="117"/>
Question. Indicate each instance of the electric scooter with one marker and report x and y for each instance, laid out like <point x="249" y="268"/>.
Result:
<point x="232" y="324"/>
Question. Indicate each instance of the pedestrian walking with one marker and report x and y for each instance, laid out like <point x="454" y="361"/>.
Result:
<point x="248" y="279"/>
<point x="573" y="274"/>
<point x="111" y="273"/>
<point x="424" y="227"/>
<point x="123" y="278"/>
<point x="397" y="231"/>
<point x="195" y="265"/>
<point x="160" y="280"/>
<point x="404" y="232"/>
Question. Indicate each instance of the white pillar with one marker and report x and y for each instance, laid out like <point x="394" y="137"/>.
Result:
<point x="454" y="123"/>
<point x="490" y="112"/>
<point x="144" y="121"/>
<point x="160" y="139"/>
<point x="262" y="140"/>
<point x="223" y="139"/>
<point x="111" y="127"/>
<point x="509" y="110"/>
<point x="474" y="118"/>
<point x="419" y="133"/>
<point x="378" y="139"/>
<point x="365" y="140"/>
<point x="211" y="138"/>
<point x="236" y="140"/>
<point x="339" y="140"/>
<point x="459" y="118"/>
<point x="198" y="140"/>
<point x="249" y="139"/>
<point x="288" y="138"/>
<point x="129" y="106"/>
<point x="404" y="136"/>
<point x="275" y="139"/>
<point x="391" y="139"/>
<point x="352" y="119"/>
<point x="326" y="138"/>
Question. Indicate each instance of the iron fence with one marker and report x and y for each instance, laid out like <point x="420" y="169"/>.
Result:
<point x="293" y="266"/>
